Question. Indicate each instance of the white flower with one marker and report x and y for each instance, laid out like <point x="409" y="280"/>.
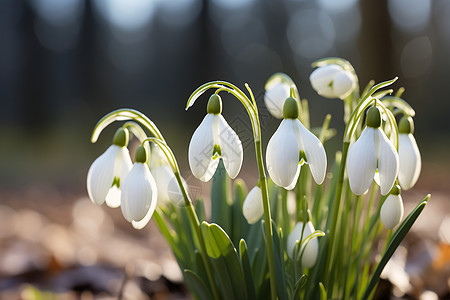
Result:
<point x="139" y="192"/>
<point x="391" y="212"/>
<point x="410" y="160"/>
<point x="283" y="154"/>
<point x="371" y="151"/>
<point x="105" y="175"/>
<point x="332" y="81"/>
<point x="212" y="139"/>
<point x="253" y="208"/>
<point x="168" y="189"/>
<point x="274" y="98"/>
<point x="310" y="251"/>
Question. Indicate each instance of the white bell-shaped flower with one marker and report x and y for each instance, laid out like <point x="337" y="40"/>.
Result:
<point x="253" y="208"/>
<point x="409" y="155"/>
<point x="372" y="151"/>
<point x="391" y="212"/>
<point x="311" y="249"/>
<point x="274" y="98"/>
<point x="292" y="145"/>
<point x="168" y="189"/>
<point x="332" y="81"/>
<point x="139" y="192"/>
<point x="214" y="139"/>
<point x="108" y="170"/>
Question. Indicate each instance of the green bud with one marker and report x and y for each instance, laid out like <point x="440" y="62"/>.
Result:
<point x="214" y="105"/>
<point x="406" y="125"/>
<point x="141" y="155"/>
<point x="290" y="108"/>
<point x="121" y="137"/>
<point x="396" y="190"/>
<point x="374" y="117"/>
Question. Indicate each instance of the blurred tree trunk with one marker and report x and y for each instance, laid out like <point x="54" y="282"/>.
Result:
<point x="375" y="42"/>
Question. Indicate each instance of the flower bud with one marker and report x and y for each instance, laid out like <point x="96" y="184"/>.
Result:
<point x="253" y="208"/>
<point x="332" y="81"/>
<point x="310" y="251"/>
<point x="391" y="211"/>
<point x="275" y="97"/>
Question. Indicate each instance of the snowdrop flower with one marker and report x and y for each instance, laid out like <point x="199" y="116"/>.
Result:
<point x="214" y="139"/>
<point x="139" y="192"/>
<point x="292" y="145"/>
<point x="168" y="189"/>
<point x="253" y="206"/>
<point x="372" y="151"/>
<point x="107" y="171"/>
<point x="409" y="155"/>
<point x="310" y="251"/>
<point x="274" y="98"/>
<point x="332" y="81"/>
<point x="391" y="212"/>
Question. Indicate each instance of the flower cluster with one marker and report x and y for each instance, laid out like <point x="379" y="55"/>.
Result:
<point x="378" y="151"/>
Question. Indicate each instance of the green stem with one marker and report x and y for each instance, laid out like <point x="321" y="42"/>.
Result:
<point x="196" y="225"/>
<point x="267" y="220"/>
<point x="336" y="209"/>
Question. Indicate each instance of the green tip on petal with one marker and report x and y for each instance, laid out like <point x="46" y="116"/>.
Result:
<point x="396" y="190"/>
<point x="214" y="105"/>
<point x="121" y="137"/>
<point x="406" y="125"/>
<point x="373" y="117"/>
<point x="141" y="155"/>
<point x="290" y="108"/>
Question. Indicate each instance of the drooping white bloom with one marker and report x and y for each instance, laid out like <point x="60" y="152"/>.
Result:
<point x="284" y="151"/>
<point x="372" y="151"/>
<point x="391" y="212"/>
<point x="332" y="81"/>
<point x="168" y="189"/>
<point x="139" y="195"/>
<point x="274" y="98"/>
<point x="253" y="208"/>
<point x="311" y="249"/>
<point x="105" y="175"/>
<point x="214" y="139"/>
<point x="410" y="160"/>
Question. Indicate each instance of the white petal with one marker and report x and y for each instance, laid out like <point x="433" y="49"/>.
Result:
<point x="113" y="197"/>
<point x="388" y="163"/>
<point x="322" y="80"/>
<point x="101" y="175"/>
<point x="391" y="212"/>
<point x="282" y="155"/>
<point x="231" y="148"/>
<point x="138" y="193"/>
<point x="314" y="151"/>
<point x="253" y="208"/>
<point x="201" y="148"/>
<point x="167" y="185"/>
<point x="362" y="162"/>
<point x="274" y="99"/>
<point x="122" y="166"/>
<point x="312" y="248"/>
<point x="410" y="161"/>
<point x="343" y="84"/>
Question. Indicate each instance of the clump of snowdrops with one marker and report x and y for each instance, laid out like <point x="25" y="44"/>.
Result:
<point x="308" y="230"/>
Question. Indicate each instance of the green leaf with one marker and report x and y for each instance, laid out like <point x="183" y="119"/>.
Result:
<point x="221" y="200"/>
<point x="400" y="104"/>
<point x="245" y="261"/>
<point x="299" y="285"/>
<point x="279" y="263"/>
<point x="239" y="225"/>
<point x="196" y="285"/>
<point x="398" y="236"/>
<point x="323" y="293"/>
<point x="225" y="260"/>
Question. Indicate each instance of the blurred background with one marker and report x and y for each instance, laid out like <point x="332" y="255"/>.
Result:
<point x="66" y="63"/>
